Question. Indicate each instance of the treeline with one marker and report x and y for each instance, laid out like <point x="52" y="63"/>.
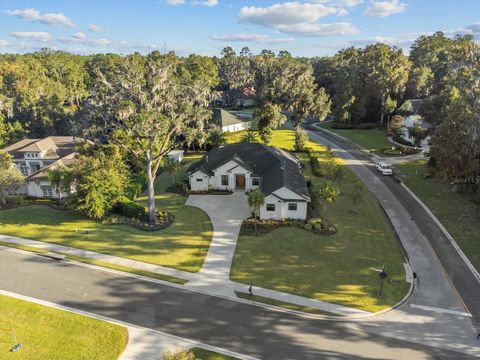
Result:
<point x="57" y="93"/>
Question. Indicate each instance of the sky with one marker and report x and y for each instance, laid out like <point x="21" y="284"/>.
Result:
<point x="205" y="27"/>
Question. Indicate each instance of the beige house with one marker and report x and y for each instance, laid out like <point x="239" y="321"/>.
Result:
<point x="34" y="157"/>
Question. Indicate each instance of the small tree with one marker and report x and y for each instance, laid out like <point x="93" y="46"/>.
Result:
<point x="10" y="176"/>
<point x="179" y="355"/>
<point x="301" y="139"/>
<point x="60" y="180"/>
<point x="256" y="199"/>
<point x="249" y="136"/>
<point x="323" y="194"/>
<point x="216" y="136"/>
<point x="266" y="134"/>
<point x="389" y="107"/>
<point x="395" y="126"/>
<point x="172" y="167"/>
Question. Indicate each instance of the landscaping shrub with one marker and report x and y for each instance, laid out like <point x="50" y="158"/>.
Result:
<point x="136" y="186"/>
<point x="16" y="200"/>
<point x="308" y="227"/>
<point x="129" y="208"/>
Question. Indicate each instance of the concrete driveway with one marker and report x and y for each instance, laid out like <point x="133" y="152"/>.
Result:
<point x="226" y="213"/>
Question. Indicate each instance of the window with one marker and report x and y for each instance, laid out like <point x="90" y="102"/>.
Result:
<point x="47" y="191"/>
<point x="199" y="180"/>
<point x="292" y="206"/>
<point x="224" y="180"/>
<point x="34" y="167"/>
<point x="255" y="181"/>
<point x="270" y="207"/>
<point x="23" y="169"/>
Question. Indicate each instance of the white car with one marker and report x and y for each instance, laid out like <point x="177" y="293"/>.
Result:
<point x="384" y="168"/>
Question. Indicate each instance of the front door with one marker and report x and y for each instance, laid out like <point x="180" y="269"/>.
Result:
<point x="240" y="181"/>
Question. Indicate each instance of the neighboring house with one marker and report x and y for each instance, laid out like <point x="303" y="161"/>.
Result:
<point x="414" y="119"/>
<point x="230" y="122"/>
<point x="237" y="98"/>
<point x="248" y="166"/>
<point x="34" y="157"/>
<point x="176" y="155"/>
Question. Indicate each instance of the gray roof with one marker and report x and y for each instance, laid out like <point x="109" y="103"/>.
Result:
<point x="55" y="147"/>
<point x="225" y="118"/>
<point x="276" y="168"/>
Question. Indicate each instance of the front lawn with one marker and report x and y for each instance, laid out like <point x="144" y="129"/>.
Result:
<point x="202" y="354"/>
<point x="339" y="268"/>
<point x="183" y="245"/>
<point x="455" y="211"/>
<point x="371" y="139"/>
<point x="48" y="333"/>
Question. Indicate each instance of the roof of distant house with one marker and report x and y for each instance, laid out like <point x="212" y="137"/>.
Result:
<point x="54" y="147"/>
<point x="276" y="167"/>
<point x="63" y="162"/>
<point x="225" y="118"/>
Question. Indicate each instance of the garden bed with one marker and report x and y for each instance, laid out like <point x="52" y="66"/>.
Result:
<point x="163" y="221"/>
<point x="316" y="226"/>
<point x="211" y="192"/>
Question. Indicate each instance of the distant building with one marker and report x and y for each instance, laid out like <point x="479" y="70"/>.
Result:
<point x="237" y="98"/>
<point x="414" y="119"/>
<point x="229" y="121"/>
<point x="34" y="157"/>
<point x="176" y="155"/>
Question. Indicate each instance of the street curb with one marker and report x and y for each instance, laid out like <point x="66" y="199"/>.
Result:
<point x="452" y="241"/>
<point x="125" y="324"/>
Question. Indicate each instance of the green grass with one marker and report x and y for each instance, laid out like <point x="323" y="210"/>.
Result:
<point x="202" y="354"/>
<point x="48" y="333"/>
<point x="282" y="138"/>
<point x="371" y="139"/>
<point x="454" y="210"/>
<point x="338" y="268"/>
<point x="282" y="304"/>
<point x="183" y="245"/>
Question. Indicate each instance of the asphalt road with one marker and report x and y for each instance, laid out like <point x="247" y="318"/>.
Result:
<point x="457" y="271"/>
<point x="247" y="329"/>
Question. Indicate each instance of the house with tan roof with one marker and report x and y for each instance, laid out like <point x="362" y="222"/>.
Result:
<point x="35" y="157"/>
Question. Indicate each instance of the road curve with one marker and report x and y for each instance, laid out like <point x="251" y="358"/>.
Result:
<point x="247" y="329"/>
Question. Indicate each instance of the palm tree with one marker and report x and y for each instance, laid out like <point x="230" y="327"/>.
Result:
<point x="249" y="136"/>
<point x="256" y="199"/>
<point x="216" y="137"/>
<point x="172" y="167"/>
<point x="325" y="193"/>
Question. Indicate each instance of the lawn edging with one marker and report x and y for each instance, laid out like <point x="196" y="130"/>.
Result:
<point x="450" y="238"/>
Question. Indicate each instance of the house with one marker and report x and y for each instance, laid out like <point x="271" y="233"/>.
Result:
<point x="230" y="122"/>
<point x="414" y="119"/>
<point x="176" y="155"/>
<point x="237" y="98"/>
<point x="34" y="157"/>
<point x="248" y="166"/>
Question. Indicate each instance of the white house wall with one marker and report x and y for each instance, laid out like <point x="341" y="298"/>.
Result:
<point x="199" y="185"/>
<point x="281" y="207"/>
<point x="235" y="169"/>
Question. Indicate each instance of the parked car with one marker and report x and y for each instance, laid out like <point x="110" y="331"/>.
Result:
<point x="384" y="168"/>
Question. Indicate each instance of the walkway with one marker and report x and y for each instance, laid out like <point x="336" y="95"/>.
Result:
<point x="226" y="213"/>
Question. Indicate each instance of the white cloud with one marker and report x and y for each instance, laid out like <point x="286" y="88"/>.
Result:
<point x="472" y="29"/>
<point x="208" y="3"/>
<point x="39" y="36"/>
<point x="295" y="18"/>
<point x="385" y="8"/>
<point x="96" y="28"/>
<point x="3" y="42"/>
<point x="257" y="38"/>
<point x="79" y="35"/>
<point x="314" y="30"/>
<point x="285" y="13"/>
<point x="33" y="15"/>
<point x="403" y="41"/>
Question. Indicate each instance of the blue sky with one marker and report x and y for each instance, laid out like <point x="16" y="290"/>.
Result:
<point x="303" y="27"/>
